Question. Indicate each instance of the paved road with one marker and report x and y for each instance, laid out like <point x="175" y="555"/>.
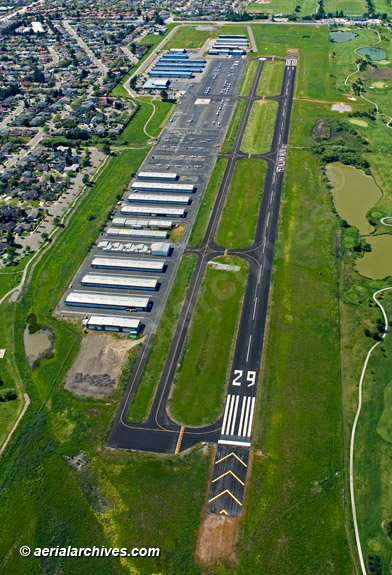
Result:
<point x="232" y="431"/>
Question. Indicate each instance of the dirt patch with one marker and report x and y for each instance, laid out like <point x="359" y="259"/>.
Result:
<point x="99" y="364"/>
<point x="177" y="232"/>
<point x="378" y="74"/>
<point x="322" y="130"/>
<point x="38" y="342"/>
<point x="217" y="540"/>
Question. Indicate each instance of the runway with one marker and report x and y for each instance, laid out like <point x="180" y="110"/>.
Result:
<point x="233" y="430"/>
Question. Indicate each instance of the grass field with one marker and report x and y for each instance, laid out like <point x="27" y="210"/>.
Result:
<point x="271" y="78"/>
<point x="247" y="78"/>
<point x="190" y="37"/>
<point x="141" y="402"/>
<point x="294" y="514"/>
<point x="240" y="214"/>
<point x="133" y="133"/>
<point x="201" y="381"/>
<point x="203" y="215"/>
<point x="233" y="128"/>
<point x="260" y="127"/>
<point x="274" y="7"/>
<point x="349" y="7"/>
<point x="313" y="74"/>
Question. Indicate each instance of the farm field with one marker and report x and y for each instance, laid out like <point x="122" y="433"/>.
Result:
<point x="200" y="385"/>
<point x="238" y="222"/>
<point x="260" y="127"/>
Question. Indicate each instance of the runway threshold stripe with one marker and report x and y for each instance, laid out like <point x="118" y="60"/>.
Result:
<point x="246" y="416"/>
<point x="229" y="442"/>
<point x="225" y="414"/>
<point x="242" y="415"/>
<point x="251" y="417"/>
<point x="225" y="432"/>
<point x="234" y="415"/>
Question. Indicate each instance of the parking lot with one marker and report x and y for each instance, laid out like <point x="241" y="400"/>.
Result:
<point x="188" y="146"/>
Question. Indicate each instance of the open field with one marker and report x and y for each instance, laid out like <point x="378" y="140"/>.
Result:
<point x="203" y="216"/>
<point x="138" y="410"/>
<point x="271" y="78"/>
<point x="238" y="222"/>
<point x="190" y="37"/>
<point x="233" y="128"/>
<point x="133" y="133"/>
<point x="260" y="127"/>
<point x="349" y="7"/>
<point x="247" y="78"/>
<point x="294" y="515"/>
<point x="313" y="74"/>
<point x="199" y="388"/>
<point x="274" y="7"/>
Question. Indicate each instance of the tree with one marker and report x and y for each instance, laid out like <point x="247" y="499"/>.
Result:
<point x="106" y="148"/>
<point x="164" y="95"/>
<point x="85" y="179"/>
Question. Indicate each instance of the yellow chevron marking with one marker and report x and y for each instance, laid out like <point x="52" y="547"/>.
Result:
<point x="229" y="455"/>
<point x="223" y="511"/>
<point x="223" y="492"/>
<point x="231" y="473"/>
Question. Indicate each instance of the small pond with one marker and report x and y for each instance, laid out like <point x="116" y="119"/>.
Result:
<point x="374" y="54"/>
<point x="37" y="341"/>
<point x="354" y="193"/>
<point x="377" y="264"/>
<point x="340" y="36"/>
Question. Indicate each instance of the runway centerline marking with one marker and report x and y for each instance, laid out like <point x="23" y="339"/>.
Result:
<point x="247" y="355"/>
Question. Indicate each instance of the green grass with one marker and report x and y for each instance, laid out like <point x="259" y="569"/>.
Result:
<point x="139" y="408"/>
<point x="260" y="127"/>
<point x="191" y="38"/>
<point x="349" y="7"/>
<point x="274" y="7"/>
<point x="133" y="133"/>
<point x="313" y="78"/>
<point x="271" y="78"/>
<point x="203" y="215"/>
<point x="201" y="381"/>
<point x="247" y="78"/>
<point x="233" y="128"/>
<point x="238" y="222"/>
<point x="294" y="514"/>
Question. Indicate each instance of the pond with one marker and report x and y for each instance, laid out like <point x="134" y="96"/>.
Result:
<point x="374" y="54"/>
<point x="377" y="264"/>
<point x="340" y="36"/>
<point x="38" y="342"/>
<point x="354" y="193"/>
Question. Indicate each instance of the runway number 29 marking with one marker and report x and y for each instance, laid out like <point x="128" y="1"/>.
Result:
<point x="250" y="378"/>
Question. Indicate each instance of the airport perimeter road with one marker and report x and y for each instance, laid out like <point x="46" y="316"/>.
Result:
<point x="233" y="430"/>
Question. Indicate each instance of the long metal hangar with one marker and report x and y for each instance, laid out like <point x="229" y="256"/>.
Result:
<point x="138" y="224"/>
<point x="112" y="301"/>
<point x="129" y="264"/>
<point x="149" y="210"/>
<point x="159" y="199"/>
<point x="158" y="176"/>
<point x="111" y="323"/>
<point x="124" y="282"/>
<point x="143" y="233"/>
<point x="162" y="187"/>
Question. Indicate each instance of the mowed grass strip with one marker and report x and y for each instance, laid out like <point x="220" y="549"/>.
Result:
<point x="238" y="222"/>
<point x="233" y="128"/>
<point x="247" y="78"/>
<point x="260" y="127"/>
<point x="140" y="405"/>
<point x="203" y="216"/>
<point x="295" y="517"/>
<point x="271" y="79"/>
<point x="200" y="384"/>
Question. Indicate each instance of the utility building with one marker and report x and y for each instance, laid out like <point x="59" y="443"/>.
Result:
<point x="111" y="323"/>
